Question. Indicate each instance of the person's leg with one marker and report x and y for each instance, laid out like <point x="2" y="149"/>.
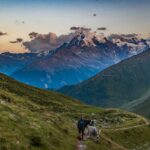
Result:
<point x="79" y="130"/>
<point x="82" y="134"/>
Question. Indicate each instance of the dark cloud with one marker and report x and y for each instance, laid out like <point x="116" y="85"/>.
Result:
<point x="13" y="42"/>
<point x="85" y="29"/>
<point x="102" y="28"/>
<point x="129" y="35"/>
<point x="46" y="42"/>
<point x="33" y="35"/>
<point x="18" y="40"/>
<point x="74" y="28"/>
<point x="2" y="33"/>
<point x="119" y="36"/>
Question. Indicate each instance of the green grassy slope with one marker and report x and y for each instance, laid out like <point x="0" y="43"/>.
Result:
<point x="34" y="119"/>
<point x="126" y="85"/>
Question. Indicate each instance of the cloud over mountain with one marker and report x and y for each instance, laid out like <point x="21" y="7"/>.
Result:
<point x="119" y="36"/>
<point x="46" y="42"/>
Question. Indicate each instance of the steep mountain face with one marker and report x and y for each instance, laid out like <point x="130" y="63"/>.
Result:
<point x="10" y="63"/>
<point x="32" y="119"/>
<point x="126" y="85"/>
<point x="84" y="56"/>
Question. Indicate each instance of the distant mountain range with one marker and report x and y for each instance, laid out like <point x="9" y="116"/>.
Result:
<point x="125" y="85"/>
<point x="86" y="54"/>
<point x="11" y="62"/>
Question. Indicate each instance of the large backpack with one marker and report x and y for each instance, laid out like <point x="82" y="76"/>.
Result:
<point x="81" y="124"/>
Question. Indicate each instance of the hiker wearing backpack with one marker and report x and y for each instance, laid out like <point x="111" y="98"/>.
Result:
<point x="81" y="125"/>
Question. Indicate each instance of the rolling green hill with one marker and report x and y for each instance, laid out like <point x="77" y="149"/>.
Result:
<point x="35" y="119"/>
<point x="125" y="85"/>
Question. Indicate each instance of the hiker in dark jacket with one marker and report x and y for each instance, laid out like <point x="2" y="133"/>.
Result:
<point x="82" y="124"/>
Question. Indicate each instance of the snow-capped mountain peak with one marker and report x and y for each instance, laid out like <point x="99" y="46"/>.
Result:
<point x="87" y="39"/>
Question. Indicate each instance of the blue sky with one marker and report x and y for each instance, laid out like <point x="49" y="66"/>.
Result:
<point x="43" y="16"/>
